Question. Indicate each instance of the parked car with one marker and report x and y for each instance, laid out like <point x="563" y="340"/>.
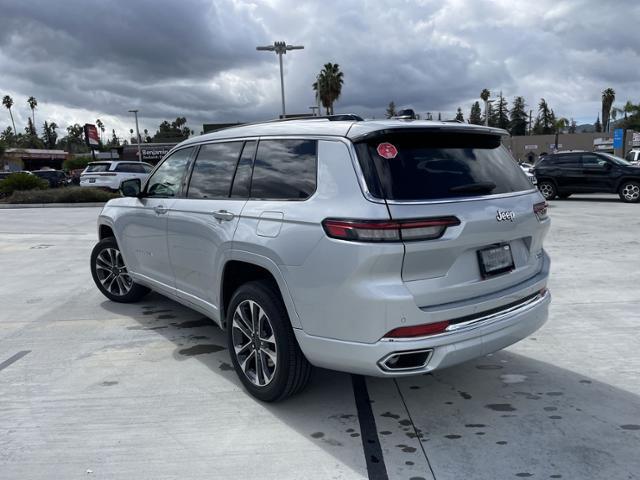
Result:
<point x="56" y="178"/>
<point x="564" y="173"/>
<point x="111" y="174"/>
<point x="6" y="173"/>
<point x="385" y="248"/>
<point x="527" y="170"/>
<point x="633" y="156"/>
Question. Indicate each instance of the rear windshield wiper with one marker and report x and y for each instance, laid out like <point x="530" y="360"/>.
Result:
<point x="474" y="187"/>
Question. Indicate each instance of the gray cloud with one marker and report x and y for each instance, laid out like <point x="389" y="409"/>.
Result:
<point x="197" y="58"/>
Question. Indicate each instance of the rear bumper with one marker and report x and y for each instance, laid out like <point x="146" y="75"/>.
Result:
<point x="101" y="183"/>
<point x="446" y="349"/>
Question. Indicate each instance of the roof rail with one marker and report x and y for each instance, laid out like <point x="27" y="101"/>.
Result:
<point x="332" y="118"/>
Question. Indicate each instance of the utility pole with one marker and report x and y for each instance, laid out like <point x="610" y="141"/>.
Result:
<point x="135" y="112"/>
<point x="280" y="48"/>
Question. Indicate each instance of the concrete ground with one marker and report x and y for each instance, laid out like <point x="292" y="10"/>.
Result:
<point x="91" y="388"/>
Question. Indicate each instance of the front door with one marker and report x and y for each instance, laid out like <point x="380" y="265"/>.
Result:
<point x="203" y="222"/>
<point x="596" y="173"/>
<point x="143" y="228"/>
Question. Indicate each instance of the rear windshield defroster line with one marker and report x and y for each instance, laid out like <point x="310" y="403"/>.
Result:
<point x="429" y="166"/>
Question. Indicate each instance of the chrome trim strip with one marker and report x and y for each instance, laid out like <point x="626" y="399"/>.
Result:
<point x="479" y="322"/>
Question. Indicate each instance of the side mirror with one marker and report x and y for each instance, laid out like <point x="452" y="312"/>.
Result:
<point x="131" y="187"/>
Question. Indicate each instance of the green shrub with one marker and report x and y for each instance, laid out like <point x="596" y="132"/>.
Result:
<point x="21" y="181"/>
<point x="62" y="195"/>
<point x="76" y="163"/>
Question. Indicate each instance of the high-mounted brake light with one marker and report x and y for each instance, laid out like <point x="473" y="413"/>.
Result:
<point x="540" y="209"/>
<point x="418" y="330"/>
<point x="388" y="230"/>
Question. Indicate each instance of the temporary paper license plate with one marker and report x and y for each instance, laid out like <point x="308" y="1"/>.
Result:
<point x="495" y="260"/>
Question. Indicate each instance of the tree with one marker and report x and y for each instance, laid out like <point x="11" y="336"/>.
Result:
<point x="33" y="103"/>
<point x="631" y="116"/>
<point x="29" y="139"/>
<point x="114" y="141"/>
<point x="608" y="97"/>
<point x="30" y="129"/>
<point x="597" y="126"/>
<point x="147" y="138"/>
<point x="501" y="119"/>
<point x="559" y="125"/>
<point x="100" y="126"/>
<point x="572" y="126"/>
<point x="73" y="142"/>
<point x="491" y="114"/>
<point x="518" y="117"/>
<point x="131" y="132"/>
<point x="459" y="115"/>
<point x="328" y="86"/>
<point x="49" y="135"/>
<point x="545" y="121"/>
<point x="475" y="116"/>
<point x="391" y="110"/>
<point x="485" y="94"/>
<point x="8" y="137"/>
<point x="7" y="101"/>
<point x="175" y="131"/>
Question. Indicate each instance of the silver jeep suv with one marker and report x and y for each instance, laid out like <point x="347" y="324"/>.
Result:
<point x="383" y="248"/>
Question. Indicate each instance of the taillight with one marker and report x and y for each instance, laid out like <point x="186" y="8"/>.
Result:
<point x="418" y="330"/>
<point x="540" y="209"/>
<point x="388" y="230"/>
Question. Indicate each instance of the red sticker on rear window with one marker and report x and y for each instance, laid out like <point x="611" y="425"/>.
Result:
<point x="387" y="150"/>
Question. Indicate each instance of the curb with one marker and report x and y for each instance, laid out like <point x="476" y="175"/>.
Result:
<point x="50" y="205"/>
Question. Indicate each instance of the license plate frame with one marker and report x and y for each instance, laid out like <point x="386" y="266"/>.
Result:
<point x="495" y="260"/>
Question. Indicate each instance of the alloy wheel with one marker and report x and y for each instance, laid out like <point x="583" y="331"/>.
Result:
<point x="112" y="272"/>
<point x="546" y="189"/>
<point x="254" y="343"/>
<point x="631" y="192"/>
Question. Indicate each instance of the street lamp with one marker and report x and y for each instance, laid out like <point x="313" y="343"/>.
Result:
<point x="135" y="112"/>
<point x="486" y="111"/>
<point x="280" y="48"/>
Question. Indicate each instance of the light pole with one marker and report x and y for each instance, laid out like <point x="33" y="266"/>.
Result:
<point x="280" y="48"/>
<point x="486" y="111"/>
<point x="135" y="112"/>
<point x="313" y="109"/>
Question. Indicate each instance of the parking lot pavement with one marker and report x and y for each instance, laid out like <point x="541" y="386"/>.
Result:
<point x="93" y="388"/>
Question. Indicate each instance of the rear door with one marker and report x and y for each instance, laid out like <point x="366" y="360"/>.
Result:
<point x="472" y="179"/>
<point x="202" y="224"/>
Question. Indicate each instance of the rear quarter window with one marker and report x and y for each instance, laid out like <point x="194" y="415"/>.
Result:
<point x="429" y="166"/>
<point x="97" y="167"/>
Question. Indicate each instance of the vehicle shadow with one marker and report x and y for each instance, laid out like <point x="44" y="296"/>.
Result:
<point x="529" y="417"/>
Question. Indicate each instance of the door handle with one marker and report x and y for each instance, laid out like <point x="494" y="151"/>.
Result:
<point x="160" y="209"/>
<point x="223" y="215"/>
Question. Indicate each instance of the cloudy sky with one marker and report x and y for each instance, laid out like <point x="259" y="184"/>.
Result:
<point x="86" y="59"/>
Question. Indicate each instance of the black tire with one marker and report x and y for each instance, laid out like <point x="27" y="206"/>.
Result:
<point x="629" y="191"/>
<point x="291" y="371"/>
<point x="548" y="189"/>
<point x="101" y="274"/>
<point x="564" y="196"/>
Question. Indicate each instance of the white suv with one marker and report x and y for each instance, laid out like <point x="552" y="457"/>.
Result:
<point x="384" y="248"/>
<point x="111" y="174"/>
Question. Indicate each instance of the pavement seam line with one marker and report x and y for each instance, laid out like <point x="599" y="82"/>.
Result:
<point x="415" y="430"/>
<point x="376" y="470"/>
<point x="14" y="359"/>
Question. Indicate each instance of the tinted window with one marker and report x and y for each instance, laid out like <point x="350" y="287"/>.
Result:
<point x="423" y="166"/>
<point x="284" y="169"/>
<point x="147" y="168"/>
<point x="213" y="171"/>
<point x="166" y="181"/>
<point x="130" y="168"/>
<point x="242" y="179"/>
<point x="567" y="160"/>
<point x="593" y="161"/>
<point x="97" y="167"/>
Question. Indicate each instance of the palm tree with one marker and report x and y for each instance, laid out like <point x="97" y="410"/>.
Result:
<point x="559" y="125"/>
<point x="608" y="97"/>
<point x="328" y="86"/>
<point x="7" y="101"/>
<point x="100" y="125"/>
<point x="484" y="95"/>
<point x="33" y="103"/>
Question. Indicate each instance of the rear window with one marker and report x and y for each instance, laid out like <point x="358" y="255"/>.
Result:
<point x="97" y="167"/>
<point x="131" y="168"/>
<point x="427" y="166"/>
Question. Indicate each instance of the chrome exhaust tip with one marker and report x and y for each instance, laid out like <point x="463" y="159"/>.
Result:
<point x="406" y="361"/>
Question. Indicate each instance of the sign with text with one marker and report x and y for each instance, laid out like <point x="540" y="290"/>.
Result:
<point x="618" y="138"/>
<point x="531" y="147"/>
<point x="91" y="136"/>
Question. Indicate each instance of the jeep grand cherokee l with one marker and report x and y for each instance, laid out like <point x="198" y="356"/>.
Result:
<point x="384" y="248"/>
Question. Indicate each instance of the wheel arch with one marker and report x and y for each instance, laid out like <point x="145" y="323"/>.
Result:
<point x="627" y="178"/>
<point x="242" y="267"/>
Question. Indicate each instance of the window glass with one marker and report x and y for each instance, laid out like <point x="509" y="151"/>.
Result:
<point x="593" y="161"/>
<point x="97" y="167"/>
<point x="424" y="166"/>
<point x="147" y="168"/>
<point x="130" y="168"/>
<point x="568" y="160"/>
<point x="242" y="179"/>
<point x="213" y="171"/>
<point x="166" y="181"/>
<point x="284" y="169"/>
